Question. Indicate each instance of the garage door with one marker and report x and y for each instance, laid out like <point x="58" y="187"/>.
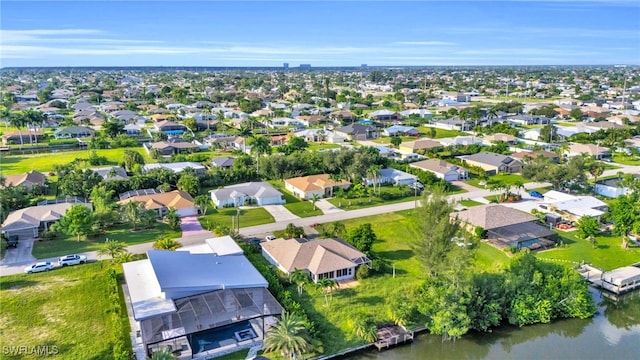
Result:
<point x="187" y="212"/>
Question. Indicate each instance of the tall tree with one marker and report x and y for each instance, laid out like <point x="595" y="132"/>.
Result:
<point x="288" y="337"/>
<point x="77" y="221"/>
<point x="300" y="278"/>
<point x="587" y="227"/>
<point x="362" y="237"/>
<point x="202" y="202"/>
<point x="260" y="145"/>
<point x="131" y="158"/>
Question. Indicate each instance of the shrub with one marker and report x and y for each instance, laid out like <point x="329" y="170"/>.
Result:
<point x="362" y="272"/>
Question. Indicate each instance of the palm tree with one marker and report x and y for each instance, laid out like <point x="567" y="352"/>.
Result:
<point x="288" y="336"/>
<point x="518" y="185"/>
<point x="259" y="145"/>
<point x="365" y="327"/>
<point x="496" y="186"/>
<point x="596" y="169"/>
<point x="124" y="257"/>
<point x="299" y="277"/>
<point x="113" y="249"/>
<point x="202" y="202"/>
<point x="314" y="200"/>
<point x="18" y="121"/>
<point x="338" y="229"/>
<point x="373" y="172"/>
<point x="132" y="213"/>
<point x="327" y="285"/>
<point x="164" y="354"/>
<point x="166" y="244"/>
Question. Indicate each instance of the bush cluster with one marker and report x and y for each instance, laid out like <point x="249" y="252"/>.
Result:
<point x="120" y="346"/>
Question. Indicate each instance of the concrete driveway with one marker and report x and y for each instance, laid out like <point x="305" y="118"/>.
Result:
<point x="19" y="255"/>
<point x="327" y="207"/>
<point x="280" y="213"/>
<point x="191" y="226"/>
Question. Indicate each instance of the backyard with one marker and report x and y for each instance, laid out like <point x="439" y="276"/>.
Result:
<point x="18" y="164"/>
<point x="248" y="217"/>
<point x="66" y="310"/>
<point x="64" y="244"/>
<point x="608" y="254"/>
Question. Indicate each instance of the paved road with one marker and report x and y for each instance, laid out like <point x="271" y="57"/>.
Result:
<point x="269" y="228"/>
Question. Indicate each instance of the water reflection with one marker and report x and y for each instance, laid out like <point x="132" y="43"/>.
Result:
<point x="612" y="334"/>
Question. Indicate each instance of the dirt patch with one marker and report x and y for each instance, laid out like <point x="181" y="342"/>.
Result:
<point x="348" y="284"/>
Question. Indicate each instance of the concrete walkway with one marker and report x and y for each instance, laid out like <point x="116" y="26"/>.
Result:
<point x="327" y="207"/>
<point x="191" y="226"/>
<point x="464" y="185"/>
<point x="280" y="213"/>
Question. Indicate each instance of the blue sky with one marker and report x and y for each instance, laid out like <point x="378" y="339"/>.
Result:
<point x="322" y="33"/>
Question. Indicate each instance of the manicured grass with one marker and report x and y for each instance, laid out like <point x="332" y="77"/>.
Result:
<point x="608" y="255"/>
<point x="248" y="217"/>
<point x="238" y="355"/>
<point x="490" y="259"/>
<point x="67" y="308"/>
<point x="440" y="133"/>
<point x="369" y="201"/>
<point x="303" y="208"/>
<point x="63" y="244"/>
<point x="504" y="178"/>
<point x="469" y="203"/>
<point x="387" y="139"/>
<point x="17" y="164"/>
<point x="626" y="159"/>
<point x="316" y="146"/>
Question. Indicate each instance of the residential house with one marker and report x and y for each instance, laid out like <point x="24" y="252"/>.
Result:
<point x="132" y="130"/>
<point x="596" y="151"/>
<point x="385" y="116"/>
<point x="634" y="142"/>
<point x="493" y="163"/>
<point x="221" y="140"/>
<point x="493" y="138"/>
<point x="392" y="176"/>
<point x="26" y="137"/>
<point x="259" y="193"/>
<point x="310" y="120"/>
<point x="223" y="162"/>
<point x="355" y="132"/>
<point x="506" y="227"/>
<point x="460" y="140"/>
<point x="199" y="291"/>
<point x="535" y="154"/>
<point x="71" y="132"/>
<point x="529" y="120"/>
<point x="573" y="207"/>
<point x="162" y="202"/>
<point x="321" y="259"/>
<point x="399" y="130"/>
<point x="177" y="167"/>
<point x="169" y="128"/>
<point x="422" y="113"/>
<point x="342" y="115"/>
<point x="442" y="169"/>
<point x="284" y="122"/>
<point x="322" y="185"/>
<point x="415" y="146"/>
<point x="453" y="124"/>
<point x="172" y="146"/>
<point x="111" y="173"/>
<point x="28" y="180"/>
<point x="612" y="188"/>
<point x="28" y="222"/>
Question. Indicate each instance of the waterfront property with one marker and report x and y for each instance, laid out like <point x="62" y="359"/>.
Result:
<point x="28" y="180"/>
<point x="507" y="227"/>
<point x="617" y="281"/>
<point x="201" y="302"/>
<point x="573" y="207"/>
<point x="325" y="258"/>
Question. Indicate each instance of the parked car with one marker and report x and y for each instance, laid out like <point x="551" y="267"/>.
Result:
<point x="269" y="237"/>
<point x="417" y="186"/>
<point x="38" y="267"/>
<point x="536" y="194"/>
<point x="72" y="260"/>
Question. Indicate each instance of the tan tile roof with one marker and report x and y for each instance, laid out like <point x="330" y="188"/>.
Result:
<point x="177" y="199"/>
<point x="421" y="144"/>
<point x="318" y="256"/>
<point x="493" y="216"/>
<point x="501" y="137"/>
<point x="436" y="165"/>
<point x="315" y="182"/>
<point x="33" y="177"/>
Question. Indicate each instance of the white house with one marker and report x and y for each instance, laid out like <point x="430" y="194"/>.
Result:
<point x="260" y="193"/>
<point x="442" y="169"/>
<point x="392" y="176"/>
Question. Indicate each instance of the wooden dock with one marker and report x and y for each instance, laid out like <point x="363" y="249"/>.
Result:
<point x="391" y="336"/>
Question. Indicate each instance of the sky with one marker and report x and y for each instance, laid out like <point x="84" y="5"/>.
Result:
<point x="320" y="33"/>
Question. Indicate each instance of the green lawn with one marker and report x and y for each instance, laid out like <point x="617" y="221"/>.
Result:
<point x="608" y="255"/>
<point x="67" y="308"/>
<point x="440" y="133"/>
<point x="17" y="164"/>
<point x="387" y="139"/>
<point x="299" y="207"/>
<point x="469" y="203"/>
<point x="248" y="217"/>
<point x="369" y="201"/>
<point x="626" y="159"/>
<point x="63" y="244"/>
<point x="504" y="178"/>
<point x="326" y="146"/>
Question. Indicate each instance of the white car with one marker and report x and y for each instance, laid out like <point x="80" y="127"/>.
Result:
<point x="72" y="260"/>
<point x="38" y="267"/>
<point x="270" y="237"/>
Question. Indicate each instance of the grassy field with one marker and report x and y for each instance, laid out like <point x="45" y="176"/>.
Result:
<point x="17" y="164"/>
<point x="469" y="203"/>
<point x="66" y="308"/>
<point x="440" y="133"/>
<point x="608" y="255"/>
<point x="248" y="217"/>
<point x="316" y="146"/>
<point x="369" y="201"/>
<point x="395" y="232"/>
<point x="387" y="139"/>
<point x="503" y="178"/>
<point x="626" y="159"/>
<point x="63" y="244"/>
<point x="298" y="207"/>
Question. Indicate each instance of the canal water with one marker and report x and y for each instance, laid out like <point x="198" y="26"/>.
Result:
<point x="614" y="333"/>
